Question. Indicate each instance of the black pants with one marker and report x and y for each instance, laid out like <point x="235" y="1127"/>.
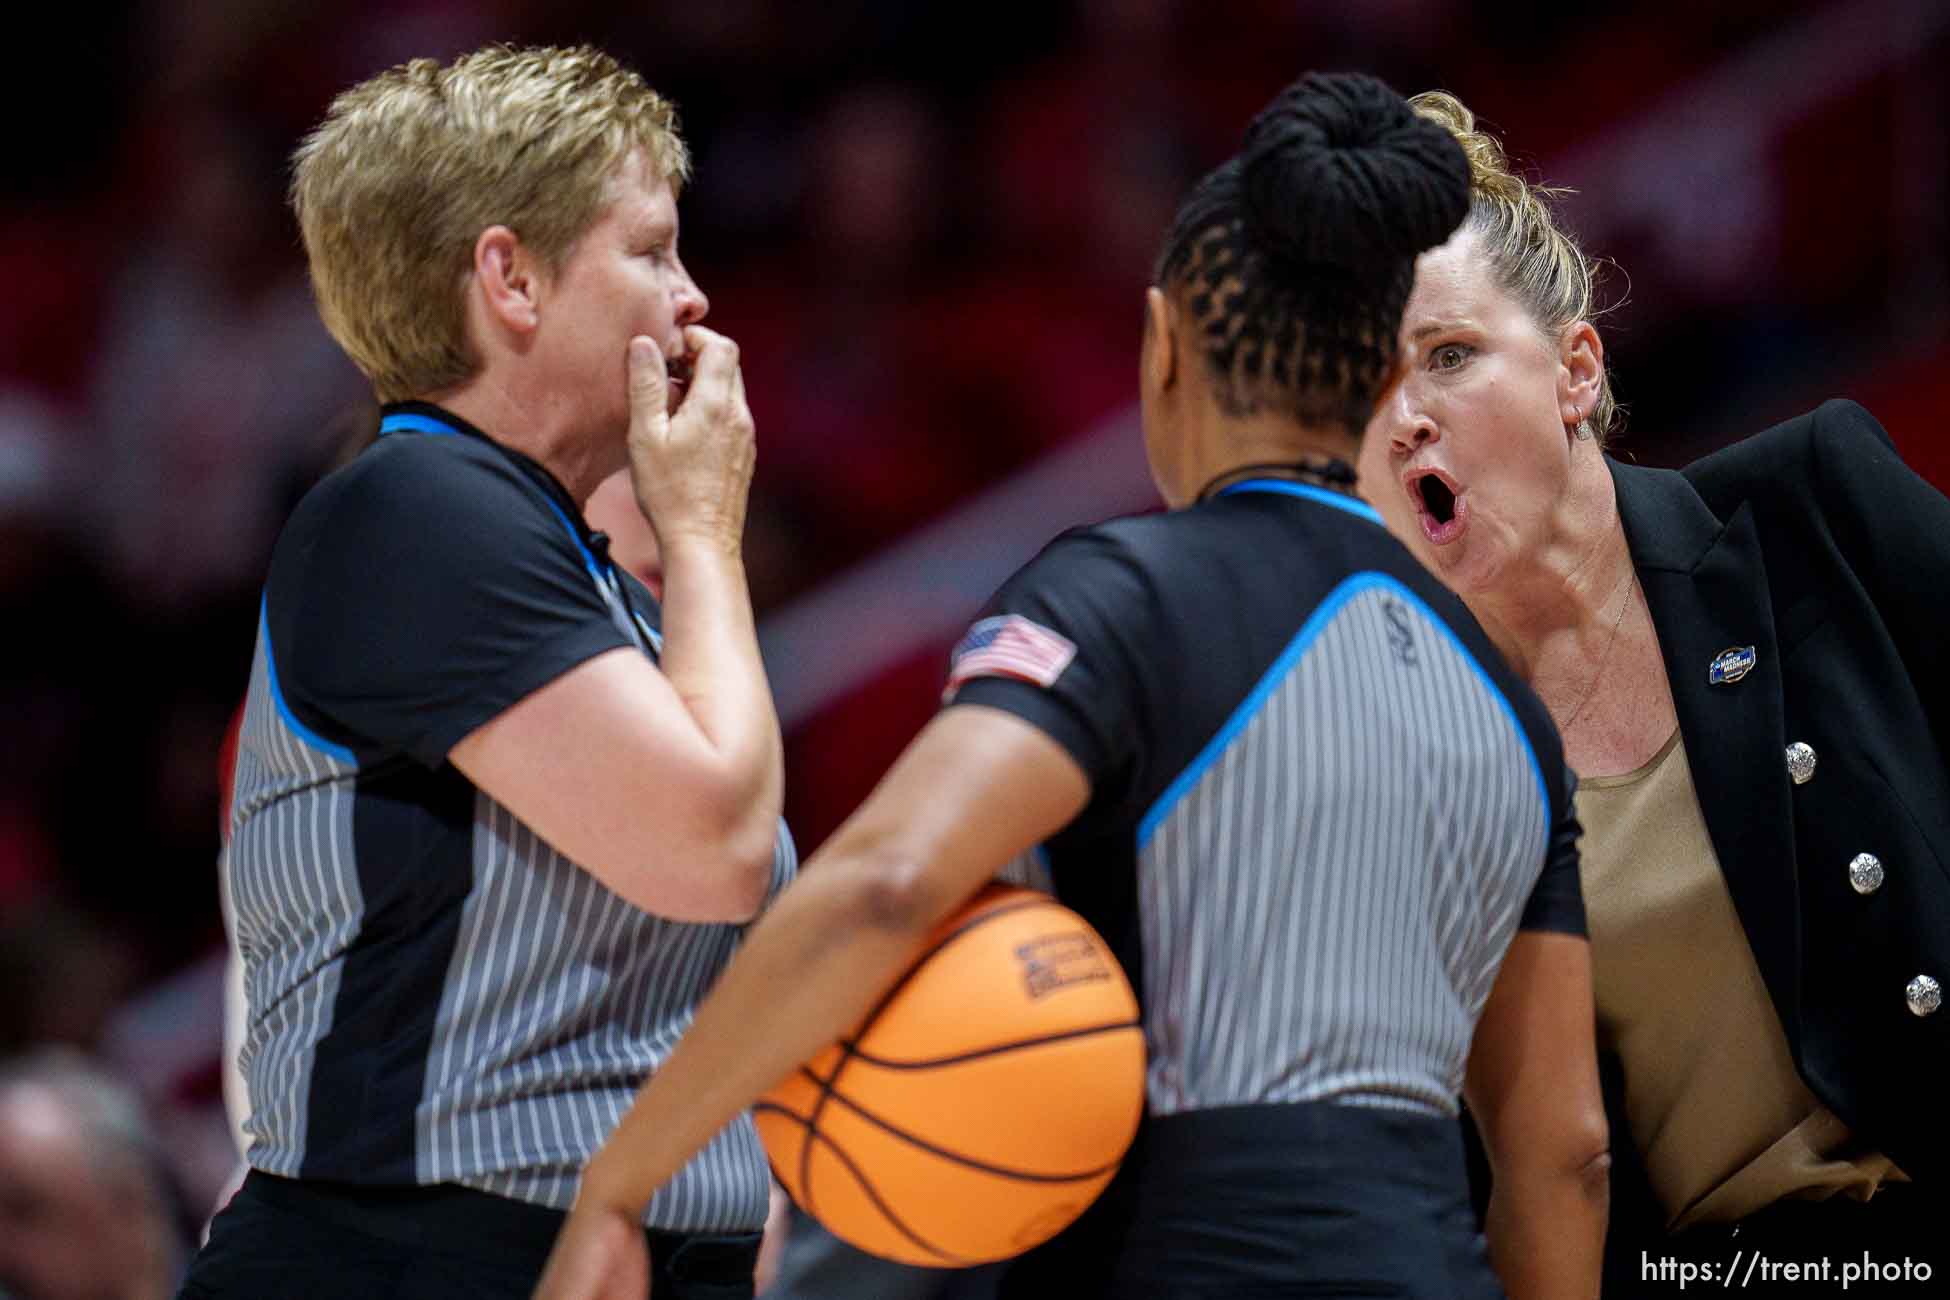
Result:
<point x="318" y="1241"/>
<point x="1275" y="1203"/>
<point x="1895" y="1243"/>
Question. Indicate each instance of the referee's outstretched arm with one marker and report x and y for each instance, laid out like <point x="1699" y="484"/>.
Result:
<point x="976" y="788"/>
<point x="1532" y="1085"/>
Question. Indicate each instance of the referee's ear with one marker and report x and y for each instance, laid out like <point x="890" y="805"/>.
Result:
<point x="1158" y="359"/>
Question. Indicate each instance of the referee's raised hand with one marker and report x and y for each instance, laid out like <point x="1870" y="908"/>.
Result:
<point x="691" y="442"/>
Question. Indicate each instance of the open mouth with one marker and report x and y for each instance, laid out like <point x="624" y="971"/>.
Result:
<point x="1437" y="499"/>
<point x="1439" y="505"/>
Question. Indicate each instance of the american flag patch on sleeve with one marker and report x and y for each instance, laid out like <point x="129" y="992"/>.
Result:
<point x="1009" y="645"/>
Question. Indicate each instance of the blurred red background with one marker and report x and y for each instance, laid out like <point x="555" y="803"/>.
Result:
<point x="929" y="227"/>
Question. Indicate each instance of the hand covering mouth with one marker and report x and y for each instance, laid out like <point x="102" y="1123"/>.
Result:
<point x="677" y="379"/>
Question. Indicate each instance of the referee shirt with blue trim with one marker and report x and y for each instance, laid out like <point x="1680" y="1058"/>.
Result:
<point x="1321" y="805"/>
<point x="435" y="994"/>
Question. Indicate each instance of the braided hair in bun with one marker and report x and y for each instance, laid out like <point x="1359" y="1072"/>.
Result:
<point x="1297" y="255"/>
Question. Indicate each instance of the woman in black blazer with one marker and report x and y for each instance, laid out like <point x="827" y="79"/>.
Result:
<point x="1746" y="662"/>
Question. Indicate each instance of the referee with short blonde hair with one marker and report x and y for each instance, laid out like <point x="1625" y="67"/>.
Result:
<point x="499" y="816"/>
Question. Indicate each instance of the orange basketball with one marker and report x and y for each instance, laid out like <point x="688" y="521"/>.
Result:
<point x="984" y="1103"/>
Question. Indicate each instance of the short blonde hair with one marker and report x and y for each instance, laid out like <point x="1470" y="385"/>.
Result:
<point x="395" y="186"/>
<point x="1536" y="262"/>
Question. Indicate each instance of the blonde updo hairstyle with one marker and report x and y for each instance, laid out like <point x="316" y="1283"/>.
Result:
<point x="1536" y="261"/>
<point x="409" y="167"/>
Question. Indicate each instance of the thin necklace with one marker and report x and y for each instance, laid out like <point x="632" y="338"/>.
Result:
<point x="1598" y="671"/>
<point x="1328" y="471"/>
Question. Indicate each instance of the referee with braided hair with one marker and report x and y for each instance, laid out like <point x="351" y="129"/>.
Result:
<point x="1283" y="772"/>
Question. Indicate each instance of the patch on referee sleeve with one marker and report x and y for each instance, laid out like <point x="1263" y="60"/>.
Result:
<point x="1009" y="645"/>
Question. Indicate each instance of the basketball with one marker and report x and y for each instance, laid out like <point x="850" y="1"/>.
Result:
<point x="982" y="1105"/>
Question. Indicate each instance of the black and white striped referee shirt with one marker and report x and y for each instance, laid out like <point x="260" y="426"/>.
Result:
<point x="436" y="995"/>
<point x="1320" y="805"/>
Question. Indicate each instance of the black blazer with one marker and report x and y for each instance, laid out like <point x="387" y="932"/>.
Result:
<point x="1815" y="545"/>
